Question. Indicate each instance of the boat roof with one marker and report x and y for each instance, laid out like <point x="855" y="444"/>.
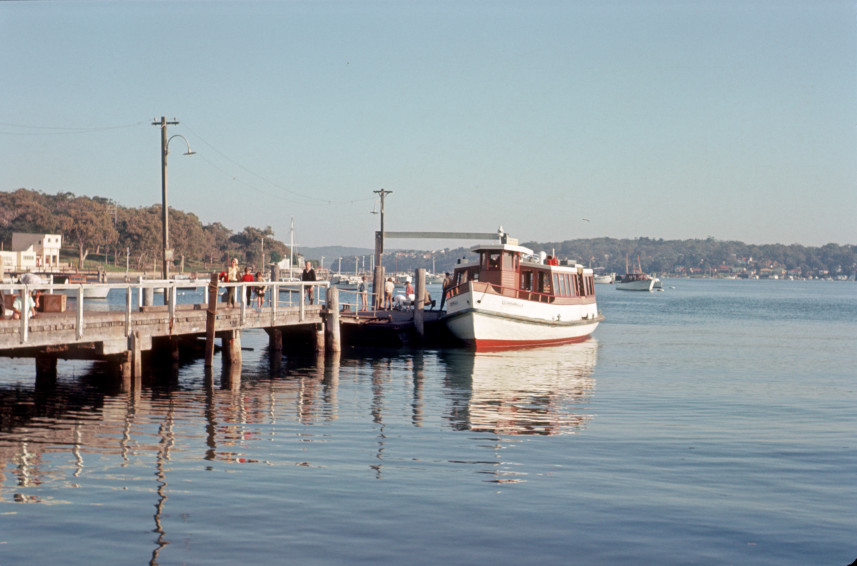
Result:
<point x="502" y="247"/>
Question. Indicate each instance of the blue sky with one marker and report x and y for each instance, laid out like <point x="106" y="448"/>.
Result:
<point x="673" y="120"/>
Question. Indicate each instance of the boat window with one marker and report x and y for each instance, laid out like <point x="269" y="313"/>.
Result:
<point x="527" y="280"/>
<point x="556" y="283"/>
<point x="493" y="260"/>
<point x="544" y="283"/>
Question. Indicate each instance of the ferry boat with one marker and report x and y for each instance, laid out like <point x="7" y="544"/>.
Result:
<point x="510" y="298"/>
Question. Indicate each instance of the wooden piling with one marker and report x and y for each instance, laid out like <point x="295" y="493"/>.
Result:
<point x="275" y="342"/>
<point x="232" y="348"/>
<point x="210" y="320"/>
<point x="332" y="341"/>
<point x="378" y="288"/>
<point x="46" y="370"/>
<point x="319" y="338"/>
<point x="136" y="355"/>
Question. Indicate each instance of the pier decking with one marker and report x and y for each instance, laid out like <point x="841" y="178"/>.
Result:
<point x="97" y="330"/>
<point x="90" y="331"/>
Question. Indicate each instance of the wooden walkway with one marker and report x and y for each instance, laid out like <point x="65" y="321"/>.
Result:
<point x="98" y="330"/>
<point x="124" y="334"/>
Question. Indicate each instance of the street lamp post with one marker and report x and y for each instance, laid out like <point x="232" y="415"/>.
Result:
<point x="165" y="218"/>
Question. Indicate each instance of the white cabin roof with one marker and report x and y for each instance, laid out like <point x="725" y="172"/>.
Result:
<point x="502" y="247"/>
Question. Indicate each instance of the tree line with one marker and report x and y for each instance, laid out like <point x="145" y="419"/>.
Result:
<point x="701" y="256"/>
<point x="101" y="226"/>
<point x="98" y="225"/>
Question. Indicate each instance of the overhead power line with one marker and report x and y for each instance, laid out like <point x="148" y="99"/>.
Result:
<point x="295" y="195"/>
<point x="33" y="130"/>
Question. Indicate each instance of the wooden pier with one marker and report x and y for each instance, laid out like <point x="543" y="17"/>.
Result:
<point x="120" y="337"/>
<point x="89" y="330"/>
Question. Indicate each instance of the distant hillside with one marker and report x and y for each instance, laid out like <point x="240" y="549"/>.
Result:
<point x="330" y="253"/>
<point x="111" y="232"/>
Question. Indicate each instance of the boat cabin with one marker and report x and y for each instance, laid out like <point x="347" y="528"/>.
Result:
<point x="514" y="271"/>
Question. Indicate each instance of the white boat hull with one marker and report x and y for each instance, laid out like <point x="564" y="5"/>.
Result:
<point x="89" y="291"/>
<point x="638" y="285"/>
<point x="487" y="321"/>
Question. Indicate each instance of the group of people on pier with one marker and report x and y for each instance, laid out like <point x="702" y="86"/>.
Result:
<point x="233" y="275"/>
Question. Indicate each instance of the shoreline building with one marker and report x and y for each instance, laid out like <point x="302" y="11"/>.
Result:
<point x="32" y="252"/>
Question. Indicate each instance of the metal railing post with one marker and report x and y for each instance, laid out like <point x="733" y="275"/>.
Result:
<point x="128" y="311"/>
<point x="79" y="326"/>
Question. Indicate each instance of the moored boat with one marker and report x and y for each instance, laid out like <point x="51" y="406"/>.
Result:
<point x="91" y="288"/>
<point x="635" y="280"/>
<point x="510" y="298"/>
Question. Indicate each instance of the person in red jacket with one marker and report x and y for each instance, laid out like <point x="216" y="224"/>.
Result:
<point x="248" y="277"/>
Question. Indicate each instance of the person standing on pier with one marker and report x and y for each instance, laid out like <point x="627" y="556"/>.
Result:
<point x="260" y="290"/>
<point x="389" y="287"/>
<point x="248" y="278"/>
<point x="361" y="290"/>
<point x="447" y="283"/>
<point x="309" y="275"/>
<point x="232" y="275"/>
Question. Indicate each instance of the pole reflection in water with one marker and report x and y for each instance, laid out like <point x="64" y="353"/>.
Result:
<point x="164" y="447"/>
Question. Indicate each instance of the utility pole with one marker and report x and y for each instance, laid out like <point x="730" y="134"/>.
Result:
<point x="378" y="275"/>
<point x="165" y="218"/>
<point x="379" y="240"/>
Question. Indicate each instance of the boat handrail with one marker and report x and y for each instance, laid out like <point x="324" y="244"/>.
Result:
<point x="483" y="287"/>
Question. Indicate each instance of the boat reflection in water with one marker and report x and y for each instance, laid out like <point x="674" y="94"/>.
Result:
<point x="538" y="391"/>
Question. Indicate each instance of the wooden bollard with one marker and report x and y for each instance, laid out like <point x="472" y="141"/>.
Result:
<point x="420" y="302"/>
<point x="332" y="341"/>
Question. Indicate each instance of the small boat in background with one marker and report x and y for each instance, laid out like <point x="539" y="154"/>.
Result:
<point x="605" y="278"/>
<point x="91" y="287"/>
<point x="345" y="282"/>
<point x="635" y="280"/>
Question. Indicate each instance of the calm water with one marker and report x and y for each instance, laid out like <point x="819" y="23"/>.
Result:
<point x="712" y="423"/>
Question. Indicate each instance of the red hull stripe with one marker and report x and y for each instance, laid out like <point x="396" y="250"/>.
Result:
<point x="487" y="345"/>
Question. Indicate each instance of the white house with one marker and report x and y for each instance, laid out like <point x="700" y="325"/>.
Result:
<point x="31" y="252"/>
<point x="44" y="247"/>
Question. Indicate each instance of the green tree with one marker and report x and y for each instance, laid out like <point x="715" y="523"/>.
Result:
<point x="86" y="223"/>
